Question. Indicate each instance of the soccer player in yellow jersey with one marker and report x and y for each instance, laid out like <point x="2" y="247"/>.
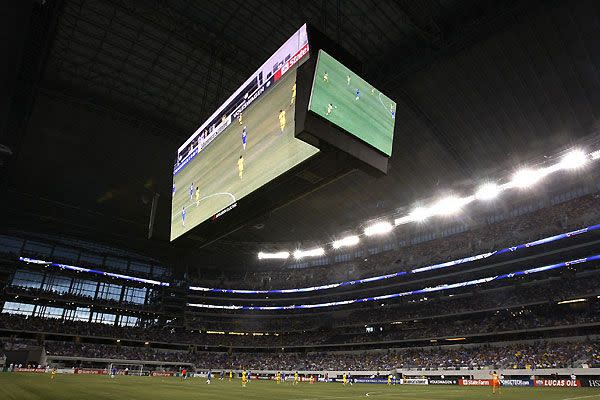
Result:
<point x="293" y="94"/>
<point x="53" y="374"/>
<point x="241" y="167"/>
<point x="344" y="379"/>
<point x="329" y="108"/>
<point x="278" y="377"/>
<point x="240" y="118"/>
<point x="389" y="380"/>
<point x="244" y="378"/>
<point x="296" y="379"/>
<point x="282" y="119"/>
<point x="197" y="196"/>
<point x="230" y="375"/>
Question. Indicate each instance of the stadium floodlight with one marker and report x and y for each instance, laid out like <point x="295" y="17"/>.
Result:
<point x="450" y="205"/>
<point x="378" y="229"/>
<point x="402" y="220"/>
<point x="282" y="255"/>
<point x="488" y="191"/>
<point x="420" y="214"/>
<point x="345" y="242"/>
<point x="595" y="155"/>
<point x="298" y="254"/>
<point x="571" y="301"/>
<point x="573" y="160"/>
<point x="527" y="177"/>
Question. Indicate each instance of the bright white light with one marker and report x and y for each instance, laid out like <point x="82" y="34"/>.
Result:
<point x="449" y="205"/>
<point x="282" y="255"/>
<point x="488" y="191"/>
<point x="595" y="155"/>
<point x="420" y="214"/>
<point x="573" y="159"/>
<point x="527" y="177"/>
<point x="298" y="254"/>
<point x="347" y="241"/>
<point x="378" y="228"/>
<point x="402" y="220"/>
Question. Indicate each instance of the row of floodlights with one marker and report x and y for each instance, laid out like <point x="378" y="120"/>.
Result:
<point x="522" y="179"/>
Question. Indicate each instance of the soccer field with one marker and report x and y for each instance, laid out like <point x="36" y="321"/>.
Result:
<point x="269" y="153"/>
<point x="22" y="386"/>
<point x="368" y="115"/>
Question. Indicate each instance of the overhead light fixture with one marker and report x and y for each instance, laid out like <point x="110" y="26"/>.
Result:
<point x="571" y="301"/>
<point x="378" y="228"/>
<point x="282" y="255"/>
<point x="527" y="177"/>
<point x="450" y="205"/>
<point x="402" y="220"/>
<point x="298" y="254"/>
<point x="345" y="242"/>
<point x="420" y="214"/>
<point x="456" y="339"/>
<point x="573" y="160"/>
<point x="488" y="191"/>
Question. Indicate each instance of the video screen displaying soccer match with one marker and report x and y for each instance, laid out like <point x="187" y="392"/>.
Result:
<point x="247" y="143"/>
<point x="348" y="101"/>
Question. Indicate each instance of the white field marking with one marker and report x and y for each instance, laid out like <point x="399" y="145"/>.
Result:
<point x="206" y="197"/>
<point x="582" y="397"/>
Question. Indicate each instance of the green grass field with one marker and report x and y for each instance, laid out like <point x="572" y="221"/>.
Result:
<point x="269" y="153"/>
<point x="369" y="117"/>
<point x="21" y="386"/>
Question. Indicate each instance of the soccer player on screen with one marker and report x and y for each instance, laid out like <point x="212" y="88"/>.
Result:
<point x="325" y="77"/>
<point x="244" y="378"/>
<point x="347" y="79"/>
<point x="329" y="109"/>
<point x="240" y="118"/>
<point x="357" y="93"/>
<point x="241" y="167"/>
<point x="173" y="189"/>
<point x="296" y="378"/>
<point x="282" y="119"/>
<point x="293" y="94"/>
<point x="183" y="212"/>
<point x="392" y="111"/>
<point x="197" y="196"/>
<point x="244" y="135"/>
<point x="192" y="191"/>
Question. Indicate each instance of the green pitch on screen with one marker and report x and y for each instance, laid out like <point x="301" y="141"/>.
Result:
<point x="348" y="101"/>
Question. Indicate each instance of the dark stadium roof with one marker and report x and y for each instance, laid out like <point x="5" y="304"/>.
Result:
<point x="102" y="93"/>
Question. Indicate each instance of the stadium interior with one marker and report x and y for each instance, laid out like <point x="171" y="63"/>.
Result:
<point x="476" y="255"/>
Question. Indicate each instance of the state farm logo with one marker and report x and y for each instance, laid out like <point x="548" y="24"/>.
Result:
<point x="475" y="382"/>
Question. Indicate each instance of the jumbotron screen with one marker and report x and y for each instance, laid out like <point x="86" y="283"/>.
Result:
<point x="348" y="101"/>
<point x="245" y="144"/>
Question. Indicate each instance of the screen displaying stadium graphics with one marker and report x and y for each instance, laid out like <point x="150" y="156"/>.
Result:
<point x="245" y="144"/>
<point x="348" y="101"/>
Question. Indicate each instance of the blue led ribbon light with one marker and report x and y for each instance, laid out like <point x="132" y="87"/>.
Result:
<point x="414" y="271"/>
<point x="93" y="271"/>
<point x="412" y="292"/>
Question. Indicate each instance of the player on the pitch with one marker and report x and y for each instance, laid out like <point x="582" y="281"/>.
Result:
<point x="293" y="94"/>
<point x="329" y="109"/>
<point x="325" y="77"/>
<point x="230" y="375"/>
<point x="278" y="377"/>
<point x="53" y="374"/>
<point x="495" y="382"/>
<point x="208" y="377"/>
<point x="241" y="167"/>
<point x="347" y="79"/>
<point x="183" y="212"/>
<point x="389" y="381"/>
<point x="393" y="111"/>
<point x="282" y="119"/>
<point x="296" y="378"/>
<point x="173" y="189"/>
<point x="192" y="191"/>
<point x="244" y="378"/>
<point x="240" y="118"/>
<point x="197" y="196"/>
<point x="244" y="136"/>
<point x="357" y="94"/>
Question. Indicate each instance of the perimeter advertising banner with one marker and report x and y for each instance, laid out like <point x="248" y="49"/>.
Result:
<point x="557" y="383"/>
